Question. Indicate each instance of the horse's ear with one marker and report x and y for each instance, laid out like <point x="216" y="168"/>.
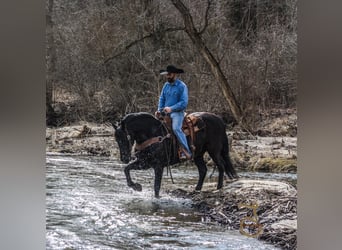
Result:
<point x="115" y="125"/>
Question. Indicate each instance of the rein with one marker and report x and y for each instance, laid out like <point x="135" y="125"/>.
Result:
<point x="151" y="141"/>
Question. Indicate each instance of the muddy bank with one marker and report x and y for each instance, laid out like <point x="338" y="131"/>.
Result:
<point x="82" y="139"/>
<point x="266" y="154"/>
<point x="271" y="148"/>
<point x="275" y="207"/>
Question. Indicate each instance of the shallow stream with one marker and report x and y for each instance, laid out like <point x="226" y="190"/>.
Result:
<point x="89" y="206"/>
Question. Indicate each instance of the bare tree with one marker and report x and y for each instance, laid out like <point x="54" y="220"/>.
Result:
<point x="50" y="62"/>
<point x="215" y="68"/>
<point x="105" y="55"/>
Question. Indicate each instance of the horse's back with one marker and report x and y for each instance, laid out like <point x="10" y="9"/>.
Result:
<point x="210" y="119"/>
<point x="214" y="132"/>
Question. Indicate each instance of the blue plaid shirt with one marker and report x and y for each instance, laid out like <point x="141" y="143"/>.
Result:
<point x="174" y="95"/>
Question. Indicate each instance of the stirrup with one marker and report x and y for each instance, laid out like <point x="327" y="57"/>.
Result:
<point x="184" y="155"/>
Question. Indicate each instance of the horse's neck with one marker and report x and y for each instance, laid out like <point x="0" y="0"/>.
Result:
<point x="141" y="135"/>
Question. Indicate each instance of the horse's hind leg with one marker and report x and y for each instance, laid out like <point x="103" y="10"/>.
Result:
<point x="202" y="170"/>
<point x="228" y="166"/>
<point x="134" y="165"/>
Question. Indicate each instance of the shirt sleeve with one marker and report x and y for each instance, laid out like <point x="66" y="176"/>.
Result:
<point x="183" y="100"/>
<point x="161" y="103"/>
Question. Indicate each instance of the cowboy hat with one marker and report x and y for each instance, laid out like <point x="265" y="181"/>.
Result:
<point x="171" y="69"/>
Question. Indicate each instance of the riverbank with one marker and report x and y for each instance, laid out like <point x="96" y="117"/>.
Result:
<point x="248" y="153"/>
<point x="275" y="207"/>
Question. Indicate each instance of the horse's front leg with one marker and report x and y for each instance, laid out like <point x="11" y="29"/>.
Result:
<point x="158" y="174"/>
<point x="132" y="166"/>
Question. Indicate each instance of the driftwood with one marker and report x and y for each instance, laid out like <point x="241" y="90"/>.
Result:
<point x="86" y="131"/>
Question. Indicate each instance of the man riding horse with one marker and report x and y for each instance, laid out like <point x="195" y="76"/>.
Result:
<point x="155" y="148"/>
<point x="173" y="101"/>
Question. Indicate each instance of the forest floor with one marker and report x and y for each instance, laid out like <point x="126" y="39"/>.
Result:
<point x="273" y="149"/>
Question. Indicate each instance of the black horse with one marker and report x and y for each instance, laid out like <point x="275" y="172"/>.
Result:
<point x="157" y="149"/>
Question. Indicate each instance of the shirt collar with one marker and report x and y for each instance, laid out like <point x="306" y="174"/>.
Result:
<point x="175" y="83"/>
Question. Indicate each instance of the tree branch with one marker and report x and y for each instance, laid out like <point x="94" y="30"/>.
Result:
<point x="211" y="60"/>
<point x="128" y="46"/>
<point x="206" y="17"/>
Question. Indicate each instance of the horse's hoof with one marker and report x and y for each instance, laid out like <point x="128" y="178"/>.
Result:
<point x="137" y="187"/>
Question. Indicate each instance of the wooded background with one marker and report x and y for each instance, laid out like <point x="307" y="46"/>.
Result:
<point x="103" y="56"/>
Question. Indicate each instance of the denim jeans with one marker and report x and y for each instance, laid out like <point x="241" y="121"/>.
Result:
<point x="177" y="121"/>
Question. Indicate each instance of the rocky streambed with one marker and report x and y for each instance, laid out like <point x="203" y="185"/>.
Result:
<point x="273" y="219"/>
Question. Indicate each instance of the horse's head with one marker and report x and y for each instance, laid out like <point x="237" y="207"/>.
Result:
<point x="124" y="142"/>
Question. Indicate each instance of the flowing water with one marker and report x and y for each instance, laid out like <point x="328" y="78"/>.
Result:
<point x="89" y="206"/>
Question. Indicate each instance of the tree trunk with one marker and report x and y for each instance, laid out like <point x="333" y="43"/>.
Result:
<point x="210" y="59"/>
<point x="50" y="64"/>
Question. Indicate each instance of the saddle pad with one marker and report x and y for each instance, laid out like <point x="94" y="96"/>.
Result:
<point x="192" y="122"/>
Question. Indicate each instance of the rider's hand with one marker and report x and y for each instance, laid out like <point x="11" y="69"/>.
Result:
<point x="157" y="113"/>
<point x="167" y="110"/>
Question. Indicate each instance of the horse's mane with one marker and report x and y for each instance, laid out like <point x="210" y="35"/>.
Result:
<point x="142" y="118"/>
<point x="139" y="115"/>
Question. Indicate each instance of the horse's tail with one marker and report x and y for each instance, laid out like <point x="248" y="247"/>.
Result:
<point x="228" y="166"/>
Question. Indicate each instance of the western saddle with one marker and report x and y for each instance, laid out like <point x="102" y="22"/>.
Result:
<point x="192" y="123"/>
